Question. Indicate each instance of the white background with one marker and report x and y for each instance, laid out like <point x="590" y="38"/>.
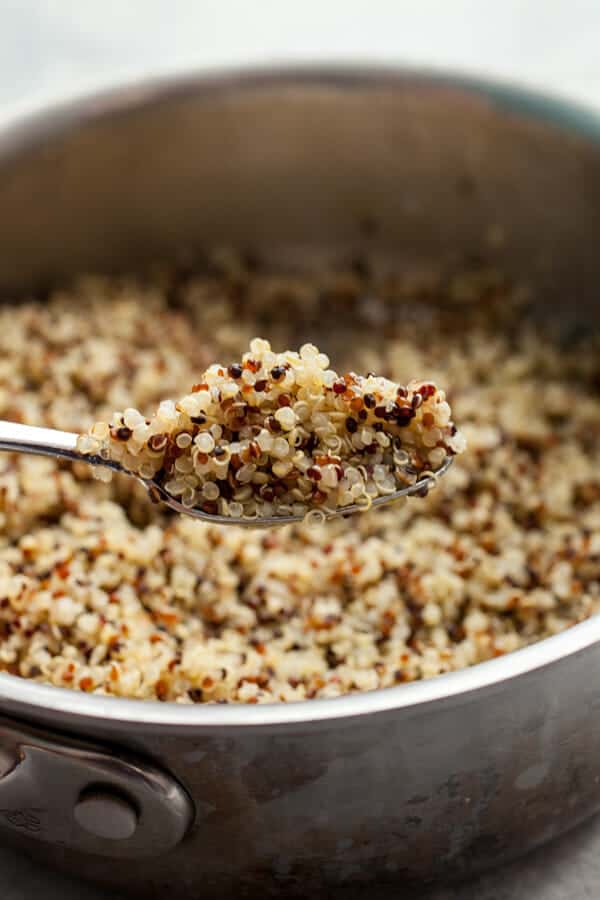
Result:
<point x="60" y="48"/>
<point x="54" y="49"/>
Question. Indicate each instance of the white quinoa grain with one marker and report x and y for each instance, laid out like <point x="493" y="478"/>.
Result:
<point x="286" y="418"/>
<point x="205" y="442"/>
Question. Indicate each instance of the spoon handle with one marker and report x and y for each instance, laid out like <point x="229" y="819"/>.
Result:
<point x="46" y="442"/>
<point x="40" y="441"/>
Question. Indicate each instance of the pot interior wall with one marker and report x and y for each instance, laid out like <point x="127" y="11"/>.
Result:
<point x="411" y="168"/>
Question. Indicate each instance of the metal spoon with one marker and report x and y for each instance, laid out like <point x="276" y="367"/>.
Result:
<point x="63" y="444"/>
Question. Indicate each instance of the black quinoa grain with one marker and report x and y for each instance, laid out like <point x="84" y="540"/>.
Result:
<point x="311" y="444"/>
<point x="404" y="415"/>
<point x="370" y="401"/>
<point x="331" y="658"/>
<point x="225" y="489"/>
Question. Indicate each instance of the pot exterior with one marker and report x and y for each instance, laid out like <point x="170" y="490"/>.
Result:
<point x="400" y="798"/>
<point x="406" y="167"/>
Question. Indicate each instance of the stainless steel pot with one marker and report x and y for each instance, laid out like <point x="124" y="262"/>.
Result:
<point x="434" y="779"/>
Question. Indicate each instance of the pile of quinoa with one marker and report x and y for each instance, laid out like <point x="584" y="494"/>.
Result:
<point x="103" y="591"/>
<point x="282" y="434"/>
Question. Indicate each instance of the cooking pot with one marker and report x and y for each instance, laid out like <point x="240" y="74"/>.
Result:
<point x="436" y="779"/>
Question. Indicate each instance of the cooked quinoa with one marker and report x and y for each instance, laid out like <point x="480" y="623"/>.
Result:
<point x="103" y="591"/>
<point x="282" y="434"/>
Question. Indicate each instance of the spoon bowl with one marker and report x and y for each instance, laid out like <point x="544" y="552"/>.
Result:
<point x="30" y="439"/>
<point x="421" y="486"/>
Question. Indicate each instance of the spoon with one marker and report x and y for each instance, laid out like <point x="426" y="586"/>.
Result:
<point x="63" y="444"/>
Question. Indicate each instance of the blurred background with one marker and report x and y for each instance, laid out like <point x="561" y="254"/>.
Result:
<point x="53" y="49"/>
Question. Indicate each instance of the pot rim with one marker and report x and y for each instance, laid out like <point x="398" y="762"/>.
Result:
<point x="25" y="133"/>
<point x="451" y="686"/>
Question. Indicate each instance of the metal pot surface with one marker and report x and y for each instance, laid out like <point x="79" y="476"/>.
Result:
<point x="434" y="779"/>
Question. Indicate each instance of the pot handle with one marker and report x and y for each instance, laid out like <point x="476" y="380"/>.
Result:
<point x="83" y="797"/>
